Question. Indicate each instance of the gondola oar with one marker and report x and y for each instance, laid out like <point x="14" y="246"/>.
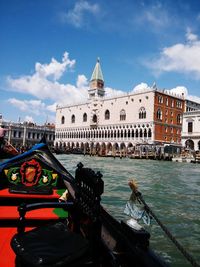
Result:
<point x="136" y="195"/>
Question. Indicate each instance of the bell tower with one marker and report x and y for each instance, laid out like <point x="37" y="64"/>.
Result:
<point x="96" y="82"/>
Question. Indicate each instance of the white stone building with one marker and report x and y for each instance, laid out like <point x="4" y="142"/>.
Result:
<point x="115" y="125"/>
<point x="191" y="130"/>
<point x="27" y="134"/>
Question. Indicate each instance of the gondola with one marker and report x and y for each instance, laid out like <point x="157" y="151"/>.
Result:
<point x="50" y="218"/>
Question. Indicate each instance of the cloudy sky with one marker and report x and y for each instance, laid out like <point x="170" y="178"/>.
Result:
<point x="48" y="50"/>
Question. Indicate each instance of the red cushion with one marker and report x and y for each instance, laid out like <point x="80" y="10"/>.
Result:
<point x="11" y="213"/>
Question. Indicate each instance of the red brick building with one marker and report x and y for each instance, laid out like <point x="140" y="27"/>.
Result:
<point x="168" y="111"/>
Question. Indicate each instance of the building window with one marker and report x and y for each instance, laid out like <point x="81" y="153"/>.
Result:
<point x="149" y="133"/>
<point x="190" y="127"/>
<point x="159" y="114"/>
<point x="142" y="113"/>
<point x="122" y="115"/>
<point x="84" y="117"/>
<point x="160" y="99"/>
<point x="94" y="118"/>
<point x="145" y="133"/>
<point x="73" y="118"/>
<point x="62" y="120"/>
<point x="178" y="104"/>
<point x="107" y="114"/>
<point x="179" y="119"/>
<point x="167" y="103"/>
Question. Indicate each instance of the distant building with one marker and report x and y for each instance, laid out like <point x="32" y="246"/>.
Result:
<point x="116" y="124"/>
<point x="28" y="134"/>
<point x="191" y="105"/>
<point x="191" y="130"/>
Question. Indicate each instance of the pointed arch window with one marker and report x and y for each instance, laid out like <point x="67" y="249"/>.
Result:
<point x="142" y="113"/>
<point x="94" y="118"/>
<point x="84" y="117"/>
<point x="62" y="120"/>
<point x="149" y="133"/>
<point x="141" y="133"/>
<point x="73" y="118"/>
<point x="107" y="114"/>
<point x="122" y="115"/>
<point x="159" y="114"/>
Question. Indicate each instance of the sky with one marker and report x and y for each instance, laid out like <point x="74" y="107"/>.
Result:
<point x="48" y="50"/>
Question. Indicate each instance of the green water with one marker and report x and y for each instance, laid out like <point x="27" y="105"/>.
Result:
<point x="171" y="189"/>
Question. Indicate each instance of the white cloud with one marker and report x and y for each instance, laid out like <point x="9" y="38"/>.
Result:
<point x="54" y="69"/>
<point x="179" y="90"/>
<point x="29" y="119"/>
<point x="110" y="92"/>
<point x="52" y="107"/>
<point x="182" y="58"/>
<point x="191" y="36"/>
<point x="156" y="16"/>
<point x="41" y="86"/>
<point x="31" y="106"/>
<point x="77" y="15"/>
<point x="140" y="88"/>
<point x="194" y="98"/>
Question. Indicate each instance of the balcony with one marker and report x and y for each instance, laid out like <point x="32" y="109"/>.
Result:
<point x="93" y="125"/>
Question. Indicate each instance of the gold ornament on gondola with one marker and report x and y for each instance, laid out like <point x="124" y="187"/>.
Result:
<point x="45" y="179"/>
<point x="14" y="177"/>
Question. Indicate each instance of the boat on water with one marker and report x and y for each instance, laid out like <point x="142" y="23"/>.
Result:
<point x="183" y="158"/>
<point x="50" y="218"/>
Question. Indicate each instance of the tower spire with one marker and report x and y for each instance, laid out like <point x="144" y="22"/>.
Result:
<point x="97" y="72"/>
<point x="96" y="82"/>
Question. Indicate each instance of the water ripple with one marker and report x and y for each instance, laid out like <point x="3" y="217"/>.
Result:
<point x="171" y="189"/>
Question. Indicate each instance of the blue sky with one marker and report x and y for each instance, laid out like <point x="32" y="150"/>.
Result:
<point x="48" y="50"/>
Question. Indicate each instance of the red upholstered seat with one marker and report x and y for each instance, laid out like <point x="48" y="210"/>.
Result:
<point x="11" y="213"/>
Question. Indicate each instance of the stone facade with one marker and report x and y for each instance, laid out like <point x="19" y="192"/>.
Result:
<point x="114" y="125"/>
<point x="191" y="130"/>
<point x="28" y="134"/>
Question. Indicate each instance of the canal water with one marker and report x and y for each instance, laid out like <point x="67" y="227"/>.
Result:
<point x="171" y="189"/>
